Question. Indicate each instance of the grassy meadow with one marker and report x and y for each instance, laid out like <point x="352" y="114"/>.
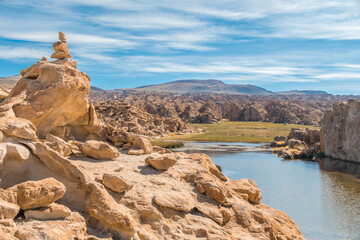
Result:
<point x="226" y="131"/>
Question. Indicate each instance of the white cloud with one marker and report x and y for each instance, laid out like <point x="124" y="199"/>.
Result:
<point x="12" y="53"/>
<point x="339" y="75"/>
<point x="147" y="21"/>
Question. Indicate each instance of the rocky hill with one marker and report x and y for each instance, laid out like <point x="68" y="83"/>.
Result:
<point x="204" y="86"/>
<point x="9" y="82"/>
<point x="67" y="175"/>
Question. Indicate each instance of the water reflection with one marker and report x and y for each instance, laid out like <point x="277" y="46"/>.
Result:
<point x="324" y="203"/>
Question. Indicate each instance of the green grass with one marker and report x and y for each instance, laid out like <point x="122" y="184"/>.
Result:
<point x="167" y="144"/>
<point x="251" y="132"/>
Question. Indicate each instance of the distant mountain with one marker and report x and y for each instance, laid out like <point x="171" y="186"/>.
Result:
<point x="204" y="86"/>
<point x="9" y="82"/>
<point x="188" y="86"/>
<point x="96" y="89"/>
<point x="301" y="92"/>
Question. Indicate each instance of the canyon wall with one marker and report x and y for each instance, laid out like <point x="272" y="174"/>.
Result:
<point x="340" y="128"/>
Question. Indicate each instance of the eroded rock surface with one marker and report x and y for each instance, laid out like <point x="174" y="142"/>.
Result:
<point x="46" y="122"/>
<point x="341" y="131"/>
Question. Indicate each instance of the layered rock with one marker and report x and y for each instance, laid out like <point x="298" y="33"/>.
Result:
<point x="340" y="129"/>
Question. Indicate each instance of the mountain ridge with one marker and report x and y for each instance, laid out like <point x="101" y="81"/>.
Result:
<point x="188" y="86"/>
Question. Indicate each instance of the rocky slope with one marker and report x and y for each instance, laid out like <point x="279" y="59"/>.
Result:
<point x="341" y="131"/>
<point x="135" y="120"/>
<point x="208" y="108"/>
<point x="62" y="179"/>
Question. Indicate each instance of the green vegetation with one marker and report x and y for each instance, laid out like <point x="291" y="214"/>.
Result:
<point x="219" y="167"/>
<point x="251" y="132"/>
<point x="167" y="144"/>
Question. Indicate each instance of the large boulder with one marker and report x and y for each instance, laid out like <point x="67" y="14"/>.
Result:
<point x="248" y="188"/>
<point x="35" y="194"/>
<point x="56" y="94"/>
<point x="99" y="150"/>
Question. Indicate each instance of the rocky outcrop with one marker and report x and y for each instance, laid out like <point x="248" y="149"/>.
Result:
<point x="44" y="159"/>
<point x="340" y="129"/>
<point x="161" y="163"/>
<point x="301" y="143"/>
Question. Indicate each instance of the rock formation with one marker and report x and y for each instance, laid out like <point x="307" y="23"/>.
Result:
<point x="51" y="189"/>
<point x="341" y="131"/>
<point x="301" y="143"/>
<point x="61" y="48"/>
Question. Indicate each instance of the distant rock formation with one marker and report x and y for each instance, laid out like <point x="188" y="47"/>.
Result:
<point x="301" y="143"/>
<point x="341" y="131"/>
<point x="62" y="175"/>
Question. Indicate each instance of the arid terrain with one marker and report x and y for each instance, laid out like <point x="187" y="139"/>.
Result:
<point x="65" y="174"/>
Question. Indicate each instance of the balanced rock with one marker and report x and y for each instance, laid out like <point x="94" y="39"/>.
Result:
<point x="53" y="211"/>
<point x="8" y="204"/>
<point x="99" y="150"/>
<point x="115" y="183"/>
<point x="161" y="163"/>
<point x="61" y="48"/>
<point x="35" y="194"/>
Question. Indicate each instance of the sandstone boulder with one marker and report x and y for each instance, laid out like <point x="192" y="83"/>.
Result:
<point x="8" y="204"/>
<point x="35" y="194"/>
<point x="53" y="211"/>
<point x="115" y="183"/>
<point x="99" y="150"/>
<point x="100" y="205"/>
<point x="161" y="163"/>
<point x="55" y="96"/>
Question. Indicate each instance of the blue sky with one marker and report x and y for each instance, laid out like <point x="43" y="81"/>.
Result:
<point x="278" y="44"/>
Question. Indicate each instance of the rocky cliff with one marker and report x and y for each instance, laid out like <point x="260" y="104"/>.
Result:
<point x="341" y="131"/>
<point x="67" y="175"/>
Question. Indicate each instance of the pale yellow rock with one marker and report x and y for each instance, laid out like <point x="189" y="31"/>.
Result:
<point x="100" y="205"/>
<point x="56" y="95"/>
<point x="181" y="201"/>
<point x="35" y="194"/>
<point x="53" y="211"/>
<point x="8" y="204"/>
<point x="161" y="163"/>
<point x="248" y="187"/>
<point x="20" y="128"/>
<point x="115" y="183"/>
<point x="99" y="150"/>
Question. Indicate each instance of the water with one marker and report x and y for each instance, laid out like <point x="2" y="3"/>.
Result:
<point x="324" y="204"/>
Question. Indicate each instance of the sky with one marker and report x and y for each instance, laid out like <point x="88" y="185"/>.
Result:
<point x="276" y="44"/>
